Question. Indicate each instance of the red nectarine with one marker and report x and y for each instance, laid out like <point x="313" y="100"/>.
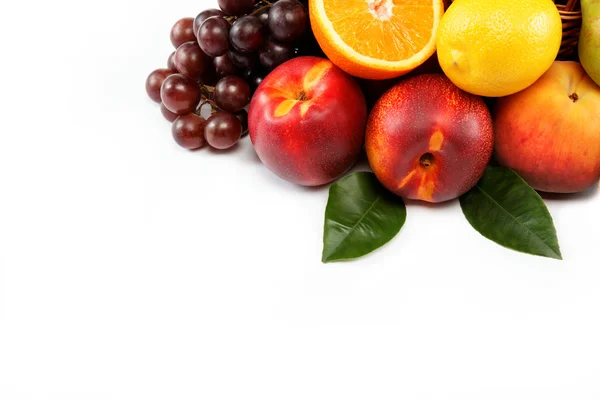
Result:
<point x="428" y="140"/>
<point x="307" y="121"/>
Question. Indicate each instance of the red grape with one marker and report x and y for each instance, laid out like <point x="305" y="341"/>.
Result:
<point x="224" y="66"/>
<point x="234" y="57"/>
<point x="236" y="7"/>
<point x="213" y="36"/>
<point x="232" y="94"/>
<point x="287" y="20"/>
<point x="183" y="31"/>
<point x="169" y="116"/>
<point x="190" y="60"/>
<point x="263" y="15"/>
<point x="155" y="81"/>
<point x="180" y="94"/>
<point x="247" y="34"/>
<point x="223" y="130"/>
<point x="171" y="62"/>
<point x="273" y="53"/>
<point x="204" y="15"/>
<point x="241" y="60"/>
<point x="188" y="131"/>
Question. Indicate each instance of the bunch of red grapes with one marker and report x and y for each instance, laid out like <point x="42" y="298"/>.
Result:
<point x="221" y="58"/>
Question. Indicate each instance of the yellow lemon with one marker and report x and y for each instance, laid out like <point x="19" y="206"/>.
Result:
<point x="496" y="48"/>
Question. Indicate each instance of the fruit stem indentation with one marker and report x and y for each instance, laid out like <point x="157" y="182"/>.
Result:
<point x="302" y="96"/>
<point x="574" y="97"/>
<point x="426" y="160"/>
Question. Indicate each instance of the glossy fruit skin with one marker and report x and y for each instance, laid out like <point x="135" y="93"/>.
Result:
<point x="314" y="140"/>
<point x="428" y="140"/>
<point x="188" y="131"/>
<point x="224" y="66"/>
<point x="274" y="53"/>
<point x="248" y="63"/>
<point x="549" y="133"/>
<point x="519" y="41"/>
<point x="236" y="7"/>
<point x="204" y="15"/>
<point x="182" y="32"/>
<point x="247" y="34"/>
<point x="374" y="89"/>
<point x="288" y="20"/>
<point x="213" y="36"/>
<point x="242" y="60"/>
<point x="154" y="83"/>
<point x="232" y="94"/>
<point x="180" y="94"/>
<point x="223" y="130"/>
<point x="263" y="16"/>
<point x="171" y="62"/>
<point x="169" y="116"/>
<point x="190" y="60"/>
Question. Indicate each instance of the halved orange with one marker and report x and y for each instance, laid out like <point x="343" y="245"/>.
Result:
<point x="376" y="39"/>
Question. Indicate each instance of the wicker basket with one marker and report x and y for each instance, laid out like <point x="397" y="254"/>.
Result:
<point x="570" y="12"/>
<point x="571" y="18"/>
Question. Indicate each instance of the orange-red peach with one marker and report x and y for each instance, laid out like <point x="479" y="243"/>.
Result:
<point x="428" y="140"/>
<point x="550" y="132"/>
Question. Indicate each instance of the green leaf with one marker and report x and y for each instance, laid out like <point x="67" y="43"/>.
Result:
<point x="503" y="208"/>
<point x="361" y="216"/>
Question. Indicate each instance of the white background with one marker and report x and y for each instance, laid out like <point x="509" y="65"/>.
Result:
<point x="132" y="269"/>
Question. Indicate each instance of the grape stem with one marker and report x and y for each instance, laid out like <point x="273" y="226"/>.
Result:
<point x="206" y="90"/>
<point x="264" y="7"/>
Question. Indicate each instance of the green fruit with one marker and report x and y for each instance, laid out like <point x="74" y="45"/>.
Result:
<point x="589" y="39"/>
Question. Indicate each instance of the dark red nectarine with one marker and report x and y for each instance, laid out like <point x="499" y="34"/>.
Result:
<point x="428" y="140"/>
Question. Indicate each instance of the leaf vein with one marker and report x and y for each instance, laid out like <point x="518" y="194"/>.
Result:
<point x="535" y="235"/>
<point x="355" y="225"/>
